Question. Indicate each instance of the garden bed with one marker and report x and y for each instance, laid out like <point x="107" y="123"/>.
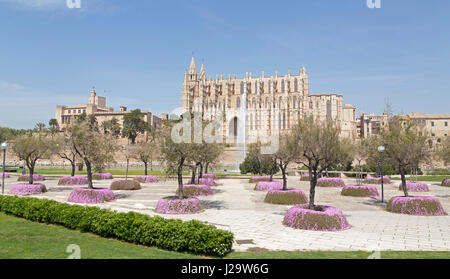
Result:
<point x="324" y="218"/>
<point x="446" y="182"/>
<point x="4" y="174"/>
<point x="360" y="191"/>
<point x="288" y="197"/>
<point x="73" y="181"/>
<point x="205" y="181"/>
<point x="266" y="186"/>
<point x="255" y="179"/>
<point x="102" y="176"/>
<point x="420" y="206"/>
<point x="126" y="185"/>
<point x="210" y="175"/>
<point x="146" y="178"/>
<point x="194" y="190"/>
<point x="26" y="177"/>
<point x="91" y="196"/>
<point x="377" y="180"/>
<point x="330" y="182"/>
<point x="27" y="189"/>
<point x="174" y="205"/>
<point x="415" y="187"/>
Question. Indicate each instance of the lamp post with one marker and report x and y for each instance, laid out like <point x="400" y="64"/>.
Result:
<point x="4" y="146"/>
<point x="381" y="150"/>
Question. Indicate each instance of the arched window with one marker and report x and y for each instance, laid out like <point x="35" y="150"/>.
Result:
<point x="284" y="121"/>
<point x="283" y="86"/>
<point x="279" y="102"/>
<point x="251" y="121"/>
<point x="296" y="85"/>
<point x="279" y="122"/>
<point x="257" y="87"/>
<point x="294" y="102"/>
<point x="267" y="102"/>
<point x="242" y="88"/>
<point x="238" y="103"/>
<point x="328" y="109"/>
<point x="270" y="86"/>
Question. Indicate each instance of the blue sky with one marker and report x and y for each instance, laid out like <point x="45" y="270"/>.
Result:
<point x="137" y="51"/>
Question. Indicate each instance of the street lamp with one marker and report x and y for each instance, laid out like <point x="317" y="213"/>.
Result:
<point x="381" y="150"/>
<point x="4" y="146"/>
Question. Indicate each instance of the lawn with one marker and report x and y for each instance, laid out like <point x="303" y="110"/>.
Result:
<point x="23" y="239"/>
<point x="63" y="171"/>
<point x="428" y="178"/>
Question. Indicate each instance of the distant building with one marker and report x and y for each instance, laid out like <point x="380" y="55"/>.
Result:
<point x="371" y="124"/>
<point x="66" y="115"/>
<point x="438" y="125"/>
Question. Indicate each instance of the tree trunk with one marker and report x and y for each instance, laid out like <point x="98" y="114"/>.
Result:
<point x="89" y="173"/>
<point x="180" y="179"/>
<point x="30" y="178"/>
<point x="402" y="174"/>
<point x="146" y="168"/>
<point x="206" y="167"/>
<point x="283" y="171"/>
<point x="312" y="188"/>
<point x="126" y="175"/>
<point x="193" y="174"/>
<point x="200" y="174"/>
<point x="74" y="166"/>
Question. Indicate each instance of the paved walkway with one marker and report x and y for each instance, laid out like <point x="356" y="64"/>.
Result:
<point x="237" y="207"/>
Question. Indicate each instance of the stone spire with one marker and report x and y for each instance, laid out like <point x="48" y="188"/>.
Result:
<point x="192" y="67"/>
<point x="202" y="72"/>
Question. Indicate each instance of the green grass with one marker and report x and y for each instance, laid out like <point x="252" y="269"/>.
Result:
<point x="23" y="239"/>
<point x="429" y="178"/>
<point x="62" y="171"/>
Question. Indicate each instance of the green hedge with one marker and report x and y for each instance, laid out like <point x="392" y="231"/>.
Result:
<point x="170" y="234"/>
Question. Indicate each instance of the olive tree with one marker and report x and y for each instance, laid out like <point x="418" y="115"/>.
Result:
<point x="319" y="147"/>
<point x="146" y="153"/>
<point x="31" y="148"/>
<point x="64" y="148"/>
<point x="287" y="152"/>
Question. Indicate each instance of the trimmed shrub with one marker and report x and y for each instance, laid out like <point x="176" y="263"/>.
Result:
<point x="26" y="177"/>
<point x="194" y="190"/>
<point x="27" y="189"/>
<point x="173" y="205"/>
<point x="255" y="179"/>
<point x="446" y="182"/>
<point x="288" y="197"/>
<point x="146" y="178"/>
<point x="170" y="234"/>
<point x="421" y="206"/>
<point x="330" y="182"/>
<point x="85" y="195"/>
<point x="360" y="191"/>
<point x="266" y="186"/>
<point x="102" y="176"/>
<point x="4" y="174"/>
<point x="377" y="180"/>
<point x="324" y="218"/>
<point x="73" y="180"/>
<point x="415" y="187"/>
<point x="127" y="185"/>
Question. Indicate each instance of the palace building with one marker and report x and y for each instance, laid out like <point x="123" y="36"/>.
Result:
<point x="258" y="106"/>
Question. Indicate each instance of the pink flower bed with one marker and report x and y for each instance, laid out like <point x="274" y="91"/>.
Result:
<point x="210" y="175"/>
<point x="288" y="197"/>
<point x="36" y="177"/>
<point x="415" y="187"/>
<point x="326" y="218"/>
<point x="194" y="190"/>
<point x="102" y="176"/>
<point x="205" y="181"/>
<point x="377" y="180"/>
<point x="27" y="189"/>
<point x="266" y="186"/>
<point x="420" y="206"/>
<point x="146" y="178"/>
<point x="4" y="174"/>
<point x="360" y="191"/>
<point x="304" y="177"/>
<point x="85" y="195"/>
<point x="330" y="182"/>
<point x="73" y="180"/>
<point x="254" y="179"/>
<point x="446" y="182"/>
<point x="173" y="205"/>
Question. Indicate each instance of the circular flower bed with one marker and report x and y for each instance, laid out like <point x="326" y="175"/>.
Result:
<point x="4" y="174"/>
<point x="210" y="175"/>
<point x="194" y="190"/>
<point x="377" y="180"/>
<point x="266" y="186"/>
<point x="205" y="181"/>
<point x="360" y="191"/>
<point x="102" y="176"/>
<point x="421" y="206"/>
<point x="254" y="179"/>
<point x="324" y="218"/>
<point x="446" y="182"/>
<point x="173" y="205"/>
<point x="415" y="187"/>
<point x="72" y="180"/>
<point x="146" y="178"/>
<point x="288" y="197"/>
<point x="97" y="195"/>
<point x="304" y="177"/>
<point x="26" y="177"/>
<point x="127" y="185"/>
<point x="27" y="189"/>
<point x="330" y="182"/>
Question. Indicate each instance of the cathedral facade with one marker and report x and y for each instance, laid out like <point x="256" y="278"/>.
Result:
<point x="254" y="107"/>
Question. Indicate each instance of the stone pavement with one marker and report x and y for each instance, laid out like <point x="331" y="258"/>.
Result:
<point x="238" y="208"/>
